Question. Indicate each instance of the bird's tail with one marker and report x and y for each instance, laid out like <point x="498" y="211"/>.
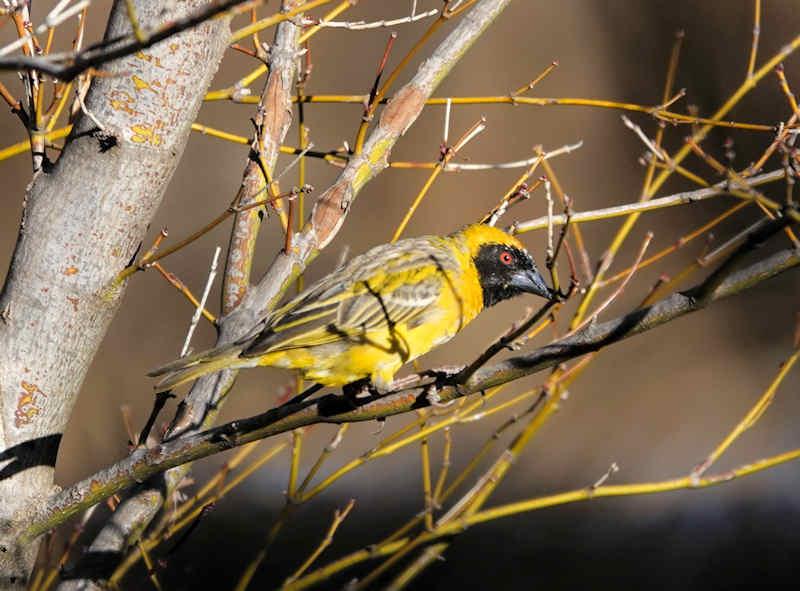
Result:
<point x="194" y="366"/>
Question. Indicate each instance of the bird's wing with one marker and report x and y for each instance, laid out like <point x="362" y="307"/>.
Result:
<point x="387" y="286"/>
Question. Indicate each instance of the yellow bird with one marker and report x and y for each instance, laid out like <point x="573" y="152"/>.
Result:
<point x="379" y="311"/>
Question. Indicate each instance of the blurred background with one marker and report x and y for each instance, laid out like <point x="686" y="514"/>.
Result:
<point x="656" y="404"/>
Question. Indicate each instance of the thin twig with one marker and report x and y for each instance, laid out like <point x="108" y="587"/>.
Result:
<point x="504" y="341"/>
<point x="363" y="25"/>
<point x="174" y="281"/>
<point x="751" y="63"/>
<point x="212" y="273"/>
<point x="523" y="89"/>
<point x="447" y="154"/>
<point x="338" y="517"/>
<point x="620" y="288"/>
<point x="684" y="198"/>
<point x="750" y="418"/>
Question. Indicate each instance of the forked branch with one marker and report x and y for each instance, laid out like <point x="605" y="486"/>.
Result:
<point x="411" y="393"/>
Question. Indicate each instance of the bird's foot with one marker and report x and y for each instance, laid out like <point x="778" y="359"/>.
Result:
<point x="447" y="374"/>
<point x="360" y="389"/>
<point x="434" y="398"/>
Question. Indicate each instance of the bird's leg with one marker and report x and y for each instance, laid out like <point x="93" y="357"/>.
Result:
<point x="381" y="424"/>
<point x="442" y="377"/>
<point x="359" y="389"/>
<point x="433" y="397"/>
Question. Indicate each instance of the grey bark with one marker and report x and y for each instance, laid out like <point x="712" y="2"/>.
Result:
<point x="82" y="223"/>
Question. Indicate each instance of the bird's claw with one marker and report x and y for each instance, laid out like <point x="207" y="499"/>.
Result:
<point x="433" y="397"/>
<point x="361" y="389"/>
<point x="444" y="375"/>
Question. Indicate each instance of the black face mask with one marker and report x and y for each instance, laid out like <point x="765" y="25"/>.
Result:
<point x="506" y="271"/>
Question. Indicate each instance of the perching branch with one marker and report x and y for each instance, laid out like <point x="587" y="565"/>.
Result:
<point x="412" y="393"/>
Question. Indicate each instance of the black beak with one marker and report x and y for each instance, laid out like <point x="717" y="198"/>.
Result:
<point x="531" y="281"/>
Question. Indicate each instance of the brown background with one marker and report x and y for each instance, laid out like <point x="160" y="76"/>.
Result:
<point x="655" y="405"/>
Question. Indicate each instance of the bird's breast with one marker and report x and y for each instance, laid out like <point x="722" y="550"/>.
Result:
<point x="459" y="302"/>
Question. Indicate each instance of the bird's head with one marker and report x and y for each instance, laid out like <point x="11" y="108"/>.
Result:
<point x="505" y="269"/>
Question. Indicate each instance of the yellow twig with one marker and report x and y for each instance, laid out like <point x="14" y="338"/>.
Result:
<point x="338" y="517"/>
<point x="274" y="19"/>
<point x="148" y="562"/>
<point x="326" y="452"/>
<point x="294" y="466"/>
<point x="134" y="20"/>
<point x="750" y="418"/>
<point x="751" y="63"/>
<point x="447" y="156"/>
<point x="679" y="243"/>
<point x="25" y="145"/>
<point x="546" y="72"/>
<point x="427" y="487"/>
<point x="663" y="115"/>
<point x="173" y="280"/>
<point x="643" y="488"/>
<point x="445" y="468"/>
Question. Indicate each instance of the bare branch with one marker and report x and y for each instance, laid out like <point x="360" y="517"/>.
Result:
<point x="684" y="198"/>
<point x="68" y="66"/>
<point x="411" y="393"/>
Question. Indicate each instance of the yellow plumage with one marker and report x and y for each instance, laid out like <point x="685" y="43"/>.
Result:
<point x="379" y="311"/>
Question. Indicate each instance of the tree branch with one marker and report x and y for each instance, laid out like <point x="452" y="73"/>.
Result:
<point x="410" y="394"/>
<point x="68" y="66"/>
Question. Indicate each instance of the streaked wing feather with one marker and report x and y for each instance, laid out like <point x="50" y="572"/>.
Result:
<point x="375" y="309"/>
<point x="389" y="284"/>
<point x="297" y="329"/>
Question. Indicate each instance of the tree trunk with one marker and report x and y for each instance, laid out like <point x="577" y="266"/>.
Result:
<point x="82" y="223"/>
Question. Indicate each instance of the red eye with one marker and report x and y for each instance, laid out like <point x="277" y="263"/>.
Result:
<point x="506" y="257"/>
